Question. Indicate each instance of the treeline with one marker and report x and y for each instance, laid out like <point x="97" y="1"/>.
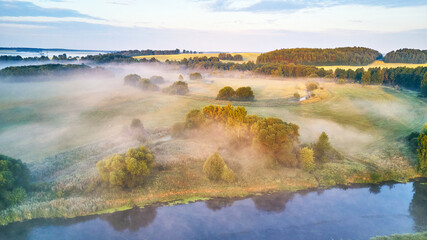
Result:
<point x="133" y="53"/>
<point x="406" y="55"/>
<point x="316" y="56"/>
<point x="61" y="57"/>
<point x="227" y="56"/>
<point x="47" y="71"/>
<point x="115" y="58"/>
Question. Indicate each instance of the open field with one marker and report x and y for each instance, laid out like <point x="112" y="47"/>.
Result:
<point x="376" y="64"/>
<point x="246" y="56"/>
<point x="60" y="128"/>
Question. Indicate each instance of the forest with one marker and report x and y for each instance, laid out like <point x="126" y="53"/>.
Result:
<point x="406" y="55"/>
<point x="316" y="56"/>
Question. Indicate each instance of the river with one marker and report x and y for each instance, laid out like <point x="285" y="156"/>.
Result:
<point x="337" y="213"/>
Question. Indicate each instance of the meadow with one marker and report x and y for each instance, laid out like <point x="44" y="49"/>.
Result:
<point x="61" y="127"/>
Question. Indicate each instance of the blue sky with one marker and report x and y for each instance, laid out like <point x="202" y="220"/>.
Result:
<point x="213" y="25"/>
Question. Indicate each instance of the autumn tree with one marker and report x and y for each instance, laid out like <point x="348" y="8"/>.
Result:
<point x="244" y="93"/>
<point x="306" y="159"/>
<point x="126" y="170"/>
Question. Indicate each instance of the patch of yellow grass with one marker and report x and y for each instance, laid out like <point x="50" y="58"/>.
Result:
<point x="376" y="64"/>
<point x="162" y="58"/>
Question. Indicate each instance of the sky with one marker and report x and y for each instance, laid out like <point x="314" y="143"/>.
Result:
<point x="213" y="25"/>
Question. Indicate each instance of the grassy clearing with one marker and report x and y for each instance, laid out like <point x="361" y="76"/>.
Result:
<point x="409" y="236"/>
<point x="246" y="56"/>
<point x="375" y="64"/>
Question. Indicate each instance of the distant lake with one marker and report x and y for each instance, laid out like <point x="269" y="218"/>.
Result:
<point x="49" y="53"/>
<point x="337" y="213"/>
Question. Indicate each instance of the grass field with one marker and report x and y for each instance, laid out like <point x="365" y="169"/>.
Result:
<point x="375" y="64"/>
<point x="60" y="128"/>
<point x="177" y="57"/>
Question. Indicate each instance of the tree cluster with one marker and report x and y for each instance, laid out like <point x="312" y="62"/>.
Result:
<point x="135" y="80"/>
<point x="14" y="181"/>
<point x="227" y="56"/>
<point x="421" y="164"/>
<point x="406" y="55"/>
<point x="196" y="76"/>
<point x="6" y="58"/>
<point x="241" y="94"/>
<point x="126" y="170"/>
<point x="132" y="53"/>
<point x="317" y="56"/>
<point x="177" y="88"/>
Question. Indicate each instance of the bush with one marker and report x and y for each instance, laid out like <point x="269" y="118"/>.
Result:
<point x="146" y="84"/>
<point x="126" y="170"/>
<point x="157" y="79"/>
<point x="297" y="96"/>
<point x="244" y="93"/>
<point x="341" y="81"/>
<point x="194" y="119"/>
<point x="215" y="169"/>
<point x="14" y="179"/>
<point x="312" y="86"/>
<point x="132" y="79"/>
<point x="180" y="78"/>
<point x="226" y="93"/>
<point x="177" y="129"/>
<point x="195" y="76"/>
<point x="177" y="88"/>
<point x="306" y="159"/>
<point x="323" y="151"/>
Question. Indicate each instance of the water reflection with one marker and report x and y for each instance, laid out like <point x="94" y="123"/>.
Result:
<point x="275" y="202"/>
<point x="216" y="204"/>
<point x="418" y="206"/>
<point x="132" y="219"/>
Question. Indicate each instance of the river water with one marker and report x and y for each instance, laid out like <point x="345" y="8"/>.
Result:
<point x="337" y="213"/>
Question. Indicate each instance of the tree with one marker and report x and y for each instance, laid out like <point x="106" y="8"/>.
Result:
<point x="366" y="78"/>
<point x="422" y="152"/>
<point x="195" y="76"/>
<point x="157" y="79"/>
<point x="311" y="86"/>
<point x="322" y="147"/>
<point x="194" y="119"/>
<point x="126" y="170"/>
<point x="180" y="78"/>
<point x="226" y="93"/>
<point x="215" y="169"/>
<point x="14" y="180"/>
<point x="306" y="157"/>
<point x="146" y="84"/>
<point x="132" y="79"/>
<point x="424" y="85"/>
<point x="244" y="93"/>
<point x="177" y="88"/>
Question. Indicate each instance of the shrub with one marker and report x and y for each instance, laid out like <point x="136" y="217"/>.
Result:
<point x="137" y="130"/>
<point x="136" y="123"/>
<point x="126" y="170"/>
<point x="323" y="150"/>
<point x="195" y="76"/>
<point x="180" y="78"/>
<point x="215" y="169"/>
<point x="341" y="81"/>
<point x="226" y="93"/>
<point x="194" y="119"/>
<point x="14" y="179"/>
<point x="297" y="96"/>
<point x="177" y="129"/>
<point x="177" y="88"/>
<point x="312" y="86"/>
<point x="132" y="79"/>
<point x="146" y="84"/>
<point x="157" y="79"/>
<point x="306" y="159"/>
<point x="244" y="93"/>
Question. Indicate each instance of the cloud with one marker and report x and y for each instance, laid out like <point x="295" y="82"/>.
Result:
<point x="27" y="9"/>
<point x="293" y="5"/>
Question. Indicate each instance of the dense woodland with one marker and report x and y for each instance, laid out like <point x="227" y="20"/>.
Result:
<point x="316" y="56"/>
<point x="227" y="56"/>
<point x="406" y="55"/>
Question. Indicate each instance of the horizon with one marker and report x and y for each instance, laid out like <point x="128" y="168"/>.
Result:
<point x="213" y="25"/>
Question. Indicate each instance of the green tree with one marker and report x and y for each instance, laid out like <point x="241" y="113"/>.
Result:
<point x="422" y="152"/>
<point x="306" y="157"/>
<point x="226" y="93"/>
<point x="322" y="147"/>
<point x="132" y="79"/>
<point x="195" y="76"/>
<point x="215" y="169"/>
<point x="126" y="170"/>
<point x="194" y="119"/>
<point x="244" y="93"/>
<point x="14" y="180"/>
<point x="177" y="88"/>
<point x="424" y="85"/>
<point x="366" y="78"/>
